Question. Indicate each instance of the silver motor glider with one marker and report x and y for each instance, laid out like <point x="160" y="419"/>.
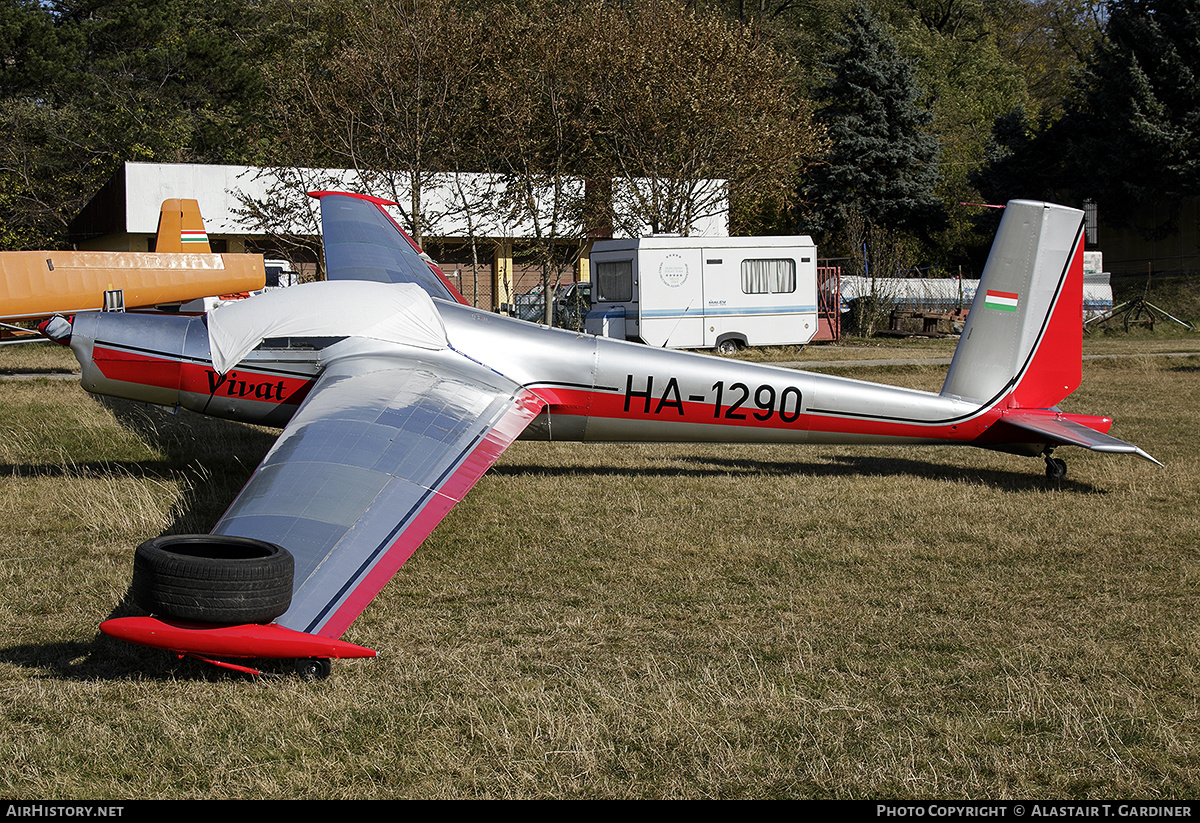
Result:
<point x="394" y="398"/>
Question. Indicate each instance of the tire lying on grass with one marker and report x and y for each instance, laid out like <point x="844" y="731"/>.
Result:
<point x="212" y="578"/>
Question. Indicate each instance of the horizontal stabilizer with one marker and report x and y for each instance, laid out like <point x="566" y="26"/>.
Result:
<point x="1067" y="432"/>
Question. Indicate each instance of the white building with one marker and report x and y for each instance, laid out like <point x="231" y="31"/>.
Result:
<point x="475" y="239"/>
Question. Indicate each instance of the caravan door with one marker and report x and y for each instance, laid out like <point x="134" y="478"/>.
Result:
<point x="762" y="294"/>
<point x="671" y="294"/>
<point x="614" y="290"/>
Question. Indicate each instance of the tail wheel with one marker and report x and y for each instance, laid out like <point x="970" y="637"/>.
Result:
<point x="212" y="578"/>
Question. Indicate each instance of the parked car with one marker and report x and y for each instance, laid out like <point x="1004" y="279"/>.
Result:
<point x="530" y="306"/>
<point x="572" y="301"/>
<point x="571" y="304"/>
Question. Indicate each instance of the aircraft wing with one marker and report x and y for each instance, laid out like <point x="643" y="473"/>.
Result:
<point x="378" y="453"/>
<point x="360" y="244"/>
<point x="1070" y="433"/>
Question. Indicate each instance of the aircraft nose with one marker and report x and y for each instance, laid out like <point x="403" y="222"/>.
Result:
<point x="57" y="329"/>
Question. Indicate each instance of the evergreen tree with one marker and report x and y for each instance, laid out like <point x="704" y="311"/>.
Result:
<point x="1131" y="136"/>
<point x="173" y="80"/>
<point x="1134" y="139"/>
<point x="882" y="165"/>
<point x="39" y="166"/>
<point x="1024" y="160"/>
<point x="88" y="84"/>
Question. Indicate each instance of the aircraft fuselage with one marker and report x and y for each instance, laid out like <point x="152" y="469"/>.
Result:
<point x="595" y="388"/>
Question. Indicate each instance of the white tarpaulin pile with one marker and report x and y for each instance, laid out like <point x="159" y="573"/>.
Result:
<point x="942" y="294"/>
<point x="951" y="294"/>
<point x="394" y="313"/>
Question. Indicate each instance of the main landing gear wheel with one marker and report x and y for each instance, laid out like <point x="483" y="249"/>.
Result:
<point x="314" y="668"/>
<point x="1056" y="469"/>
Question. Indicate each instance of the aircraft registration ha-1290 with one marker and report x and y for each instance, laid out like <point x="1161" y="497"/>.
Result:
<point x="395" y="397"/>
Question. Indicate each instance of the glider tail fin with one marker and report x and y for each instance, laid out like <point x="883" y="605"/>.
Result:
<point x="181" y="228"/>
<point x="363" y="242"/>
<point x="1022" y="345"/>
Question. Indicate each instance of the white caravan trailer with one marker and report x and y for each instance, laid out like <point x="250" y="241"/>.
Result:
<point x="705" y="292"/>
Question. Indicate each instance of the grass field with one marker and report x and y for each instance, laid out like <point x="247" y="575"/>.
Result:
<point x="642" y="621"/>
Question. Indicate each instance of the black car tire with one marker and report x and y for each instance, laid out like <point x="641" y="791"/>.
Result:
<point x="212" y="578"/>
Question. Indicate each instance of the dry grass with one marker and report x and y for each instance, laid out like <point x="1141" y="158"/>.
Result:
<point x="40" y="357"/>
<point x="640" y="621"/>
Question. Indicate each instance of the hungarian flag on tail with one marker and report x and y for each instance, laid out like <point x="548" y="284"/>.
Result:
<point x="1001" y="300"/>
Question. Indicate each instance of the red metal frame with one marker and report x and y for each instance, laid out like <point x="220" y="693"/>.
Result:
<point x="829" y="303"/>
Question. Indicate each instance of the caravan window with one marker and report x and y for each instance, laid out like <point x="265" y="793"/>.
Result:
<point x="768" y="276"/>
<point x="614" y="281"/>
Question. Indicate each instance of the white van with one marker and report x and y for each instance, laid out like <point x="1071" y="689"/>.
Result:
<point x="705" y="292"/>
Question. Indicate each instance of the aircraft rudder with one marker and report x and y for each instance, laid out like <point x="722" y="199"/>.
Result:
<point x="170" y="220"/>
<point x="181" y="228"/>
<point x="364" y="242"/>
<point x="192" y="235"/>
<point x="1056" y="369"/>
<point x="1022" y="342"/>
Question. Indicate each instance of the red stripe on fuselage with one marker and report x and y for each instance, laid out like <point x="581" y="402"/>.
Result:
<point x="199" y="378"/>
<point x="135" y="367"/>
<point x="617" y="406"/>
<point x="613" y="406"/>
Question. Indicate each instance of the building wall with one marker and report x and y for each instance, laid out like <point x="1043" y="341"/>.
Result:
<point x="473" y="274"/>
<point x="1128" y="252"/>
<point x="124" y="216"/>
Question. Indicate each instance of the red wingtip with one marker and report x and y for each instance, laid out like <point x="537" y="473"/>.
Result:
<point x="379" y="201"/>
<point x="245" y="640"/>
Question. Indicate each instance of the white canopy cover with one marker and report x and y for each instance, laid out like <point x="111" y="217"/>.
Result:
<point x="391" y="312"/>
